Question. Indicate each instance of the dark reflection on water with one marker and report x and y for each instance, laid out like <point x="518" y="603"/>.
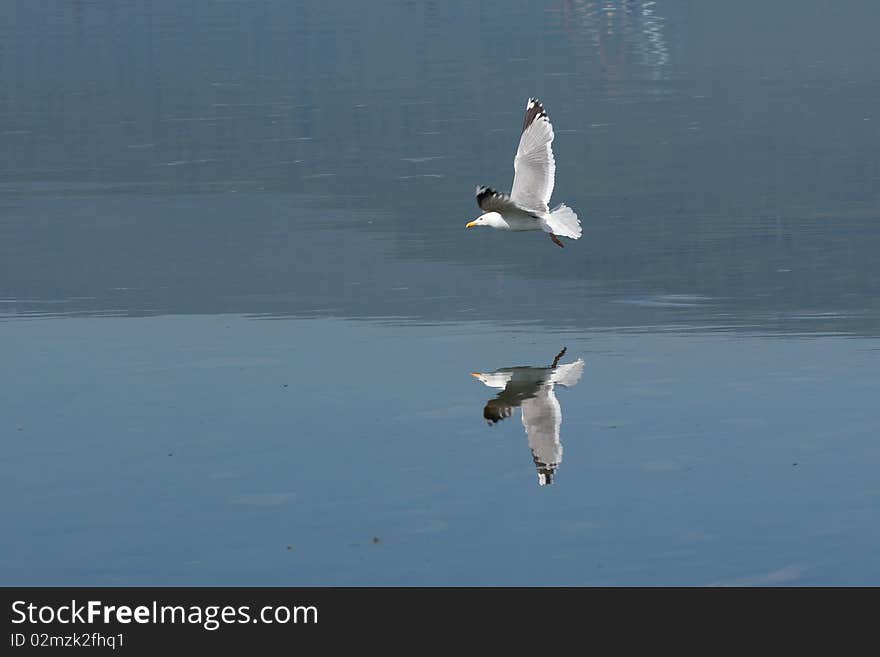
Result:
<point x="532" y="390"/>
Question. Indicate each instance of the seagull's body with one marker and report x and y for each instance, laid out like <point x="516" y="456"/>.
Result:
<point x="527" y="205"/>
<point x="532" y="389"/>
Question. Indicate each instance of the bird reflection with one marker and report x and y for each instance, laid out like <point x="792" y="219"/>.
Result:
<point x="532" y="389"/>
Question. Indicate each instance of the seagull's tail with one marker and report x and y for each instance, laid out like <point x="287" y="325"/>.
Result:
<point x="563" y="221"/>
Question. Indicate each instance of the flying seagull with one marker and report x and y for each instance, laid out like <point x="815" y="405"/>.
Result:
<point x="531" y="388"/>
<point x="526" y="207"/>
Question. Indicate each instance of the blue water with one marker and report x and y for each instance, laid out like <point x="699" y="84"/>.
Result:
<point x="240" y="312"/>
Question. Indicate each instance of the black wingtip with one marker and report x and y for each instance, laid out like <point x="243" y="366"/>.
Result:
<point x="534" y="111"/>
<point x="484" y="193"/>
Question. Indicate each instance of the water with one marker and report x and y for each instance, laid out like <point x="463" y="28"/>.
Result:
<point x="240" y="311"/>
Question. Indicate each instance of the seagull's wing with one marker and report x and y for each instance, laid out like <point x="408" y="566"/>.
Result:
<point x="534" y="166"/>
<point x="542" y="418"/>
<point x="569" y="374"/>
<point x="496" y="410"/>
<point x="491" y="200"/>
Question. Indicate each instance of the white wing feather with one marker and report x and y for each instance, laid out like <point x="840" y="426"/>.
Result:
<point x="542" y="418"/>
<point x="569" y="374"/>
<point x="534" y="166"/>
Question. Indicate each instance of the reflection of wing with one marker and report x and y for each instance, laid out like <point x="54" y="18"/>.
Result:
<point x="496" y="410"/>
<point x="542" y="417"/>
<point x="568" y="374"/>
<point x="534" y="166"/>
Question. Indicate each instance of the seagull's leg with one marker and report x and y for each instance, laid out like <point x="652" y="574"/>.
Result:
<point x="556" y="240"/>
<point x="558" y="356"/>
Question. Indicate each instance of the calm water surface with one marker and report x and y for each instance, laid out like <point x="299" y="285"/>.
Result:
<point x="247" y="340"/>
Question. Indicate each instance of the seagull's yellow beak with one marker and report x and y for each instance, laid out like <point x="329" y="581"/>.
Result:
<point x="476" y="375"/>
<point x="471" y="224"/>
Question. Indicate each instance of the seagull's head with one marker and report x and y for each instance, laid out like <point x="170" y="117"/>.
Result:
<point x="491" y="219"/>
<point x="492" y="379"/>
<point x="479" y="376"/>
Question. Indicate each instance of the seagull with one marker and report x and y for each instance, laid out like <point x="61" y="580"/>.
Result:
<point x="526" y="207"/>
<point x="532" y="389"/>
